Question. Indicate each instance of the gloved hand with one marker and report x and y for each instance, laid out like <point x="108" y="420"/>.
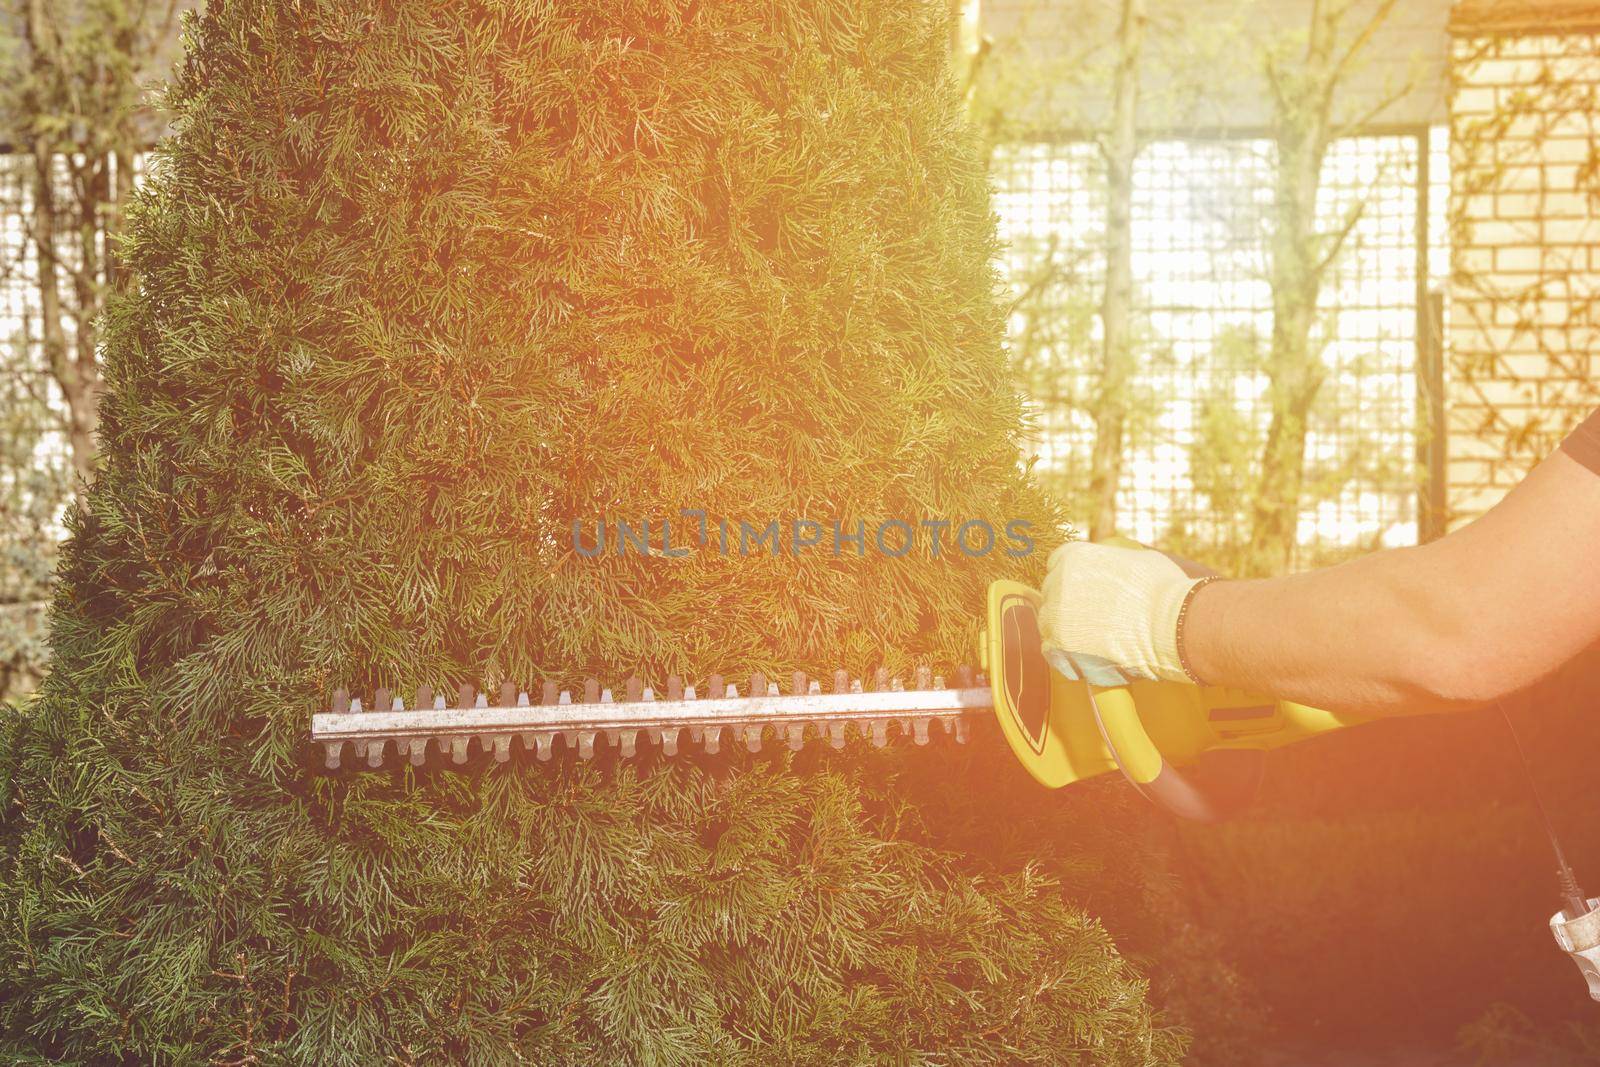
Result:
<point x="1110" y="614"/>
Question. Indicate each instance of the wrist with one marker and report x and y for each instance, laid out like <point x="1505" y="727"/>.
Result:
<point x="1182" y="628"/>
<point x="1171" y="607"/>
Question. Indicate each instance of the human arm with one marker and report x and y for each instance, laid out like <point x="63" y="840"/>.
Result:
<point x="1455" y="623"/>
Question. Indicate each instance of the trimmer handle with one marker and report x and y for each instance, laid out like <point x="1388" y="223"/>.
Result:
<point x="1222" y="782"/>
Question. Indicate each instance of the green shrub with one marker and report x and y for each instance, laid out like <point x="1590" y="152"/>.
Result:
<point x="417" y="285"/>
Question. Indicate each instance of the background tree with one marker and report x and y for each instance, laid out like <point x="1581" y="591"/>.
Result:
<point x="72" y="103"/>
<point x="75" y="79"/>
<point x="1070" y="323"/>
<point x="1120" y="148"/>
<point x="1081" y="337"/>
<point x="1017" y="95"/>
<point x="417" y="286"/>
<point x="1304" y="73"/>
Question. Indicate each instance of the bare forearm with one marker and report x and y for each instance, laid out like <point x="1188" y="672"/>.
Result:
<point x="1359" y="637"/>
<point x="1452" y="624"/>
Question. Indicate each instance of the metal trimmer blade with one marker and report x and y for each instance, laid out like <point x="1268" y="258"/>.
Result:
<point x="510" y="720"/>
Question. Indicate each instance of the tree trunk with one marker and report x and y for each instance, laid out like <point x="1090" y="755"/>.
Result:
<point x="74" y="371"/>
<point x="1300" y="261"/>
<point x="1295" y="371"/>
<point x="72" y="362"/>
<point x="1116" y="305"/>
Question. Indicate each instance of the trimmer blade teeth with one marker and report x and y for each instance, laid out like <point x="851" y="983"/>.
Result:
<point x="829" y="707"/>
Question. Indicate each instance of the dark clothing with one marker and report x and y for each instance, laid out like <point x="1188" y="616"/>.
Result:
<point x="1583" y="444"/>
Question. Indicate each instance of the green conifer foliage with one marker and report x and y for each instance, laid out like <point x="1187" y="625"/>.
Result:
<point x="417" y="285"/>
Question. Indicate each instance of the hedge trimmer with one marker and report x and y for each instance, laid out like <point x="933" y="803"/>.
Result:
<point x="1196" y="751"/>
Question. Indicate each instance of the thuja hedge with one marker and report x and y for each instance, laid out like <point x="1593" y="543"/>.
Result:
<point x="415" y="286"/>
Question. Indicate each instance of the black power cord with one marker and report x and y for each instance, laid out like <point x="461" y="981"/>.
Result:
<point x="1572" y="897"/>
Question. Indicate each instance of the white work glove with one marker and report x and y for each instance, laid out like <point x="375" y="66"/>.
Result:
<point x="1110" y="614"/>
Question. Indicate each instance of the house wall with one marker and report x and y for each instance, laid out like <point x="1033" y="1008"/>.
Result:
<point x="1522" y="351"/>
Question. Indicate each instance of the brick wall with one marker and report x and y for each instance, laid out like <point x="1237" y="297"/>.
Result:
<point x="1523" y="328"/>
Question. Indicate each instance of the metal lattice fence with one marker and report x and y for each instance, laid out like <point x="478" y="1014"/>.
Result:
<point x="1203" y="320"/>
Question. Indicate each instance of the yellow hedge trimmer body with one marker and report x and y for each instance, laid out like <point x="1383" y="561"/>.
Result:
<point x="1064" y="731"/>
